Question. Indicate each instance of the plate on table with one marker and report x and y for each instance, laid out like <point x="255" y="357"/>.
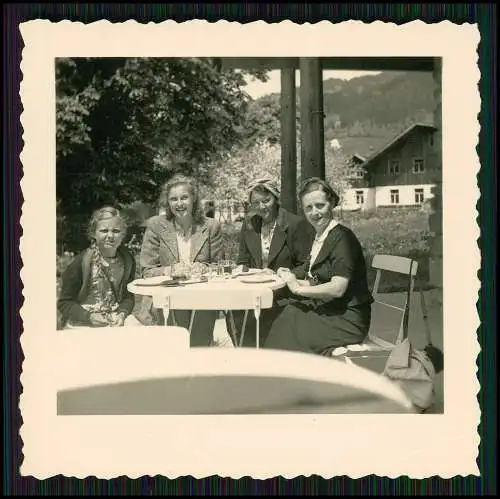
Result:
<point x="258" y="278"/>
<point x="249" y="272"/>
<point x="194" y="280"/>
<point x="159" y="280"/>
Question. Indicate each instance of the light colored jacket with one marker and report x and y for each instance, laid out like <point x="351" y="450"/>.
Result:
<point x="159" y="245"/>
<point x="159" y="249"/>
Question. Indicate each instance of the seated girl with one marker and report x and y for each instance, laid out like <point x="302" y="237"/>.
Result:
<point x="94" y="285"/>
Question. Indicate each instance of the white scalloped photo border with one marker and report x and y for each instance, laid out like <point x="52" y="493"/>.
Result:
<point x="417" y="446"/>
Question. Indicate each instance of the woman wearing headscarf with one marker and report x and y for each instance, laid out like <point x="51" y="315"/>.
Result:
<point x="330" y="305"/>
<point x="271" y="237"/>
<point x="181" y="234"/>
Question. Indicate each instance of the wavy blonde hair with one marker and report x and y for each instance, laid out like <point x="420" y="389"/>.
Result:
<point x="105" y="213"/>
<point x="190" y="183"/>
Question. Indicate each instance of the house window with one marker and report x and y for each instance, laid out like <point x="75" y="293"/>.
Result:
<point x="394" y="196"/>
<point x="393" y="167"/>
<point x="357" y="172"/>
<point x="419" y="196"/>
<point x="418" y="165"/>
<point x="360" y="197"/>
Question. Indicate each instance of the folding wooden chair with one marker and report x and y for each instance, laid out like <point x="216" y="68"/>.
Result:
<point x="377" y="346"/>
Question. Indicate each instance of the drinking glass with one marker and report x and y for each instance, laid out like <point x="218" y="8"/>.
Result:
<point x="213" y="271"/>
<point x="181" y="271"/>
<point x="226" y="267"/>
<point x="197" y="271"/>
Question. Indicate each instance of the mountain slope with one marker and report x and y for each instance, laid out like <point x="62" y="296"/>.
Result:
<point x="381" y="99"/>
<point x="378" y="106"/>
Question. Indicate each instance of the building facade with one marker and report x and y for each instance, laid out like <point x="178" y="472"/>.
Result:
<point x="401" y="174"/>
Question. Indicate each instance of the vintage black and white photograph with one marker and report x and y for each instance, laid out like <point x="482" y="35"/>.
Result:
<point x="252" y="235"/>
<point x="203" y="197"/>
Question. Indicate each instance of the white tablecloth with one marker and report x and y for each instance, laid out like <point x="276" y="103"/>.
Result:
<point x="217" y="295"/>
<point x="228" y="294"/>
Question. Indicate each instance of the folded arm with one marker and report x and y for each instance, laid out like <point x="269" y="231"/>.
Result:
<point x="336" y="288"/>
<point x="341" y="267"/>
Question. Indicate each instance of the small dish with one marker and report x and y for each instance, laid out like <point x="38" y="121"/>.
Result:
<point x="159" y="280"/>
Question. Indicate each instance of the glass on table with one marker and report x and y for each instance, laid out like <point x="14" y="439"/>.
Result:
<point x="199" y="271"/>
<point x="181" y="271"/>
<point x="226" y="268"/>
<point x="213" y="271"/>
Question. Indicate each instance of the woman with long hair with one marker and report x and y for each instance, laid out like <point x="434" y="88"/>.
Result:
<point x="180" y="234"/>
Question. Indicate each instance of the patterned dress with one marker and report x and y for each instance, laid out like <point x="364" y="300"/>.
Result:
<point x="106" y="275"/>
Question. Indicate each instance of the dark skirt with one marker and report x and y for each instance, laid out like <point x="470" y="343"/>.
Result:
<point x="318" y="330"/>
<point x="281" y="298"/>
<point x="202" y="331"/>
<point x="266" y="320"/>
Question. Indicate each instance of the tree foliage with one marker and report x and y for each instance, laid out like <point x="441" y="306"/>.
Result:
<point x="338" y="170"/>
<point x="234" y="171"/>
<point x="125" y="124"/>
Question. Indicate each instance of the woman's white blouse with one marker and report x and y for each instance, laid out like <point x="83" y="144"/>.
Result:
<point x="265" y="243"/>
<point x="318" y="243"/>
<point x="184" y="246"/>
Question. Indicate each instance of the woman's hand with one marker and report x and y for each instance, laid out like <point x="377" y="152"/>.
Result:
<point x="281" y="272"/>
<point x="98" y="320"/>
<point x="291" y="280"/>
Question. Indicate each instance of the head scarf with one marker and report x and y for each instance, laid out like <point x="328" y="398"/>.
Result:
<point x="267" y="183"/>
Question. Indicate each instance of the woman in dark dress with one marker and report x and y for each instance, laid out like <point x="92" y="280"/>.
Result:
<point x="330" y="305"/>
<point x="271" y="237"/>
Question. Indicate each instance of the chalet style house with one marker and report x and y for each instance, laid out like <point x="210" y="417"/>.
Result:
<point x="402" y="173"/>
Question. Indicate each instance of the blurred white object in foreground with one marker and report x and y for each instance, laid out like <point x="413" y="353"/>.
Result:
<point x="151" y="370"/>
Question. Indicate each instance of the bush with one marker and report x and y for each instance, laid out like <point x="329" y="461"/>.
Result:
<point x="230" y="236"/>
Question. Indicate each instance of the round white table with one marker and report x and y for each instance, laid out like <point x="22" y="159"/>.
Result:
<point x="218" y="294"/>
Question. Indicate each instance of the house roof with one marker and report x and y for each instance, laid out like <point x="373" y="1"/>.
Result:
<point x="358" y="156"/>
<point x="396" y="140"/>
